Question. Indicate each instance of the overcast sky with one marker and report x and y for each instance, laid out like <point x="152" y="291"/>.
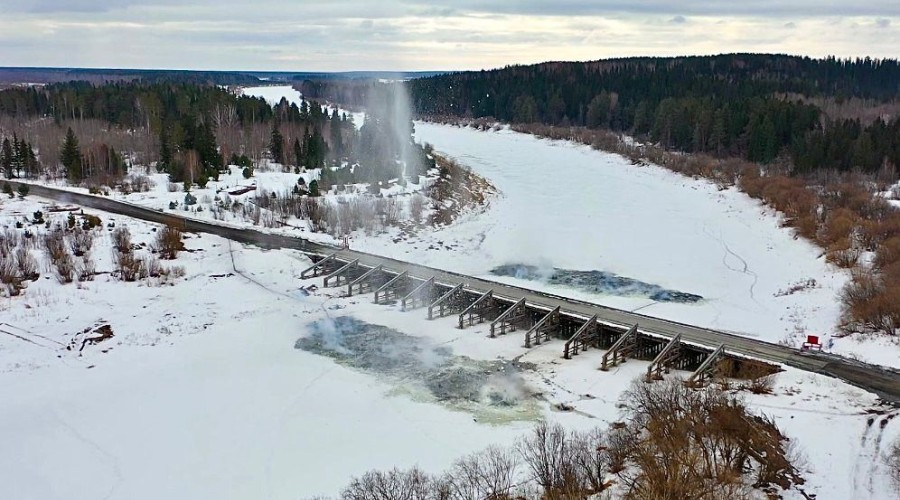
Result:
<point x="337" y="35"/>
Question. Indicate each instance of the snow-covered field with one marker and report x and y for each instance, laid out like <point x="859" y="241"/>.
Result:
<point x="201" y="393"/>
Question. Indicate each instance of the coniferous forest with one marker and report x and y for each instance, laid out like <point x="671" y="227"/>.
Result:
<point x="758" y="107"/>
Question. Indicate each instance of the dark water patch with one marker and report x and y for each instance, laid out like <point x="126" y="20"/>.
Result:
<point x="598" y="282"/>
<point x="416" y="362"/>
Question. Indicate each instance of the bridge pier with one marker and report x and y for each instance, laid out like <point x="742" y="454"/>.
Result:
<point x="665" y="359"/>
<point x="345" y="274"/>
<point x="394" y="289"/>
<point x="420" y="296"/>
<point x="323" y="266"/>
<point x="549" y="323"/>
<point x="624" y="347"/>
<point x="485" y="308"/>
<point x="451" y="302"/>
<point x="516" y="316"/>
<point x="372" y="279"/>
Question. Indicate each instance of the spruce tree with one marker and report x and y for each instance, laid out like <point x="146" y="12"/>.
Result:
<point x="70" y="156"/>
<point x="276" y="145"/>
<point x="6" y="157"/>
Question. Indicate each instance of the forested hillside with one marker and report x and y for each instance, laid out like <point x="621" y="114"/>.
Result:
<point x="86" y="132"/>
<point x="759" y="107"/>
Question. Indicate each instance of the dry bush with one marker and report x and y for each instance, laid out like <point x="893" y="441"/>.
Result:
<point x="392" y="209"/>
<point x="416" y="207"/>
<point x="153" y="267"/>
<point x="55" y="244"/>
<point x="168" y="242"/>
<point x="699" y="444"/>
<point x="81" y="241"/>
<point x="872" y="301"/>
<point x="65" y="268"/>
<point x="843" y="254"/>
<point x="85" y="268"/>
<point x="892" y="460"/>
<point x="60" y="258"/>
<point x="28" y="265"/>
<point x="489" y="474"/>
<point x="129" y="267"/>
<point x="546" y="453"/>
<point x="395" y="484"/>
<point x="9" y="275"/>
<point x="121" y="237"/>
<point x="839" y="226"/>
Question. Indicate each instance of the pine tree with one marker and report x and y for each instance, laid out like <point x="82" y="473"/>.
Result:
<point x="165" y="151"/>
<point x="70" y="156"/>
<point x="298" y="154"/>
<point x="276" y="145"/>
<point x="6" y="157"/>
<point x="314" y="188"/>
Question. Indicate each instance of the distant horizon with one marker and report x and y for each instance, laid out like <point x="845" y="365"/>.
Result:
<point x="350" y="71"/>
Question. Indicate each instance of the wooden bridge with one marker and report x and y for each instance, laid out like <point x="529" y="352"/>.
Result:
<point x="538" y="321"/>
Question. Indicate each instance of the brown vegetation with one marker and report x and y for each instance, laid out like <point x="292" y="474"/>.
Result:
<point x="168" y="242"/>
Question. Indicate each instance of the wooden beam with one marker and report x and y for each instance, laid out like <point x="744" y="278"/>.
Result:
<point x="620" y="349"/>
<point x="665" y="357"/>
<point x="313" y="271"/>
<point x="362" y="279"/>
<point x="340" y="272"/>
<point x="536" y="331"/>
<point x="576" y="342"/>
<point x="415" y="296"/>
<point x="707" y="368"/>
<point x="487" y="295"/>
<point x="502" y="319"/>
<point x="387" y="286"/>
<point x="439" y="302"/>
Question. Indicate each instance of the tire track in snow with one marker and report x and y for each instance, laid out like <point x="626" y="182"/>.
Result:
<point x="744" y="269"/>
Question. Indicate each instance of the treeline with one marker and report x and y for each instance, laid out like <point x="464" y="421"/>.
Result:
<point x="192" y="131"/>
<point x="727" y="105"/>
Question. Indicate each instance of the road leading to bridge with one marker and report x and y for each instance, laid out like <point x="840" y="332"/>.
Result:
<point x="882" y="381"/>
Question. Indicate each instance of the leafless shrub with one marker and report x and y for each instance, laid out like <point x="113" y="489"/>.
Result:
<point x="129" y="267"/>
<point x="892" y="459"/>
<point x="392" y="485"/>
<point x="392" y="210"/>
<point x="547" y="452"/>
<point x="85" y="268"/>
<point x="81" y="241"/>
<point x="65" y="268"/>
<point x="173" y="187"/>
<point x="168" y="242"/>
<point x="153" y="267"/>
<point x="55" y="244"/>
<point x="9" y="275"/>
<point x="28" y="265"/>
<point x="60" y="258"/>
<point x="416" y="207"/>
<point x="121" y="237"/>
<point x="489" y="474"/>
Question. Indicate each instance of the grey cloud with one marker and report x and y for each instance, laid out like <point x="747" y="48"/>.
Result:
<point x="678" y="20"/>
<point x="883" y="23"/>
